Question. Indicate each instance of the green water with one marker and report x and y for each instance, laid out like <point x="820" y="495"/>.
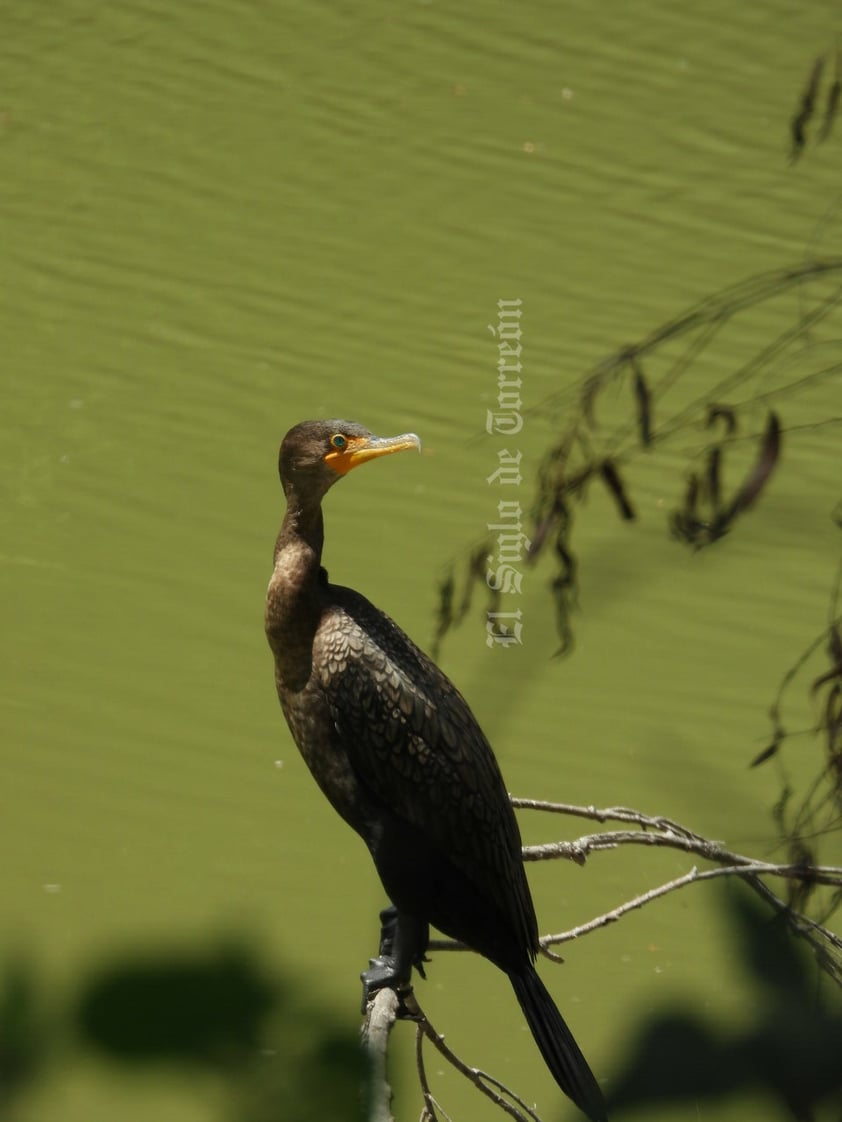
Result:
<point x="218" y="220"/>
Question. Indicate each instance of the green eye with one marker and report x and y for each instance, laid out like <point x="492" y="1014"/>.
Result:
<point x="338" y="441"/>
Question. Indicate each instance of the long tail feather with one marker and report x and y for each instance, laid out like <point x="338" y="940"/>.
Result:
<point x="561" y="1053"/>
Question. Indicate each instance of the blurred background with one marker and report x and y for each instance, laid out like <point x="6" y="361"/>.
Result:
<point x="221" y="218"/>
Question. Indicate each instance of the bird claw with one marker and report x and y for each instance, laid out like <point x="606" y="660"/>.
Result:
<point x="382" y="974"/>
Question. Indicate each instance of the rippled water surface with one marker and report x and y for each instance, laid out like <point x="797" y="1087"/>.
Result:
<point x="219" y="219"/>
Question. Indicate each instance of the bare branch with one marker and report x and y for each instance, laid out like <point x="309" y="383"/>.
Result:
<point x="661" y="831"/>
<point x="651" y="831"/>
<point x="379" y="1019"/>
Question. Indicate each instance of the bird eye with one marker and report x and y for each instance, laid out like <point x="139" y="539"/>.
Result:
<point x="338" y="441"/>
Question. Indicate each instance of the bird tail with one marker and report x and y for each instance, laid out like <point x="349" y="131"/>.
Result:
<point x="561" y="1053"/>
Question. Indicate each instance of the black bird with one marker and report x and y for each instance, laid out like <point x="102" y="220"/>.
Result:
<point x="397" y="751"/>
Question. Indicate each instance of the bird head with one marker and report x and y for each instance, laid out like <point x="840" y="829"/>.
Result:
<point x="315" y="454"/>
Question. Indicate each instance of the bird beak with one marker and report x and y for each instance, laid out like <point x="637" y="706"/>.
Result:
<point x="362" y="448"/>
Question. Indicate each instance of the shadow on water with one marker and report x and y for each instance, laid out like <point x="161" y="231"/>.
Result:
<point x="218" y="1011"/>
<point x="24" y="1032"/>
<point x="210" y="1010"/>
<point x="790" y="1050"/>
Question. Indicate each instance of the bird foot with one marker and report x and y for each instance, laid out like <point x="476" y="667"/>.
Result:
<point x="383" y="973"/>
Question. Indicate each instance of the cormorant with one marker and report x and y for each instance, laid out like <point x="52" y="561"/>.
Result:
<point x="397" y="751"/>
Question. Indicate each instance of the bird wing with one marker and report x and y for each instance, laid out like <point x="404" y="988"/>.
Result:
<point x="417" y="747"/>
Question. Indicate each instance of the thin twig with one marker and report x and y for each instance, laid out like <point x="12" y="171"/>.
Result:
<point x="492" y="1088"/>
<point x="711" y="851"/>
<point x="430" y="1104"/>
<point x="603" y="814"/>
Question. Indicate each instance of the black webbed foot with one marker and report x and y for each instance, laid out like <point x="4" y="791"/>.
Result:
<point x="382" y="973"/>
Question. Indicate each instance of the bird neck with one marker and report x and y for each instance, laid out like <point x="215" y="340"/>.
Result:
<point x="302" y="528"/>
<point x="294" y="597"/>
